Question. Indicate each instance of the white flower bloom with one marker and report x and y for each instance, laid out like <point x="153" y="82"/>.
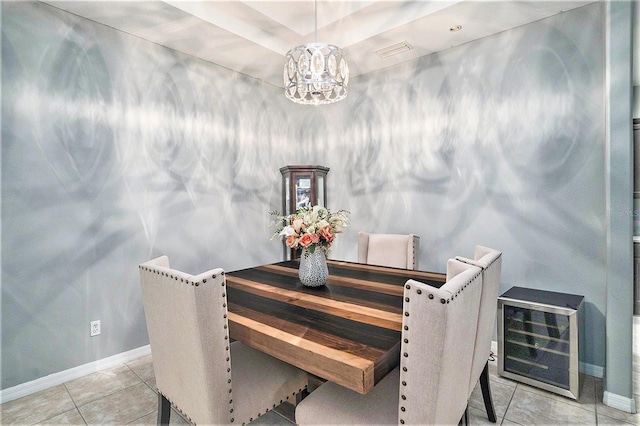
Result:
<point x="297" y="224"/>
<point x="311" y="222"/>
<point x="288" y="230"/>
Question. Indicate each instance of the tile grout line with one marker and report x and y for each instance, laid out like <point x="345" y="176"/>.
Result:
<point x="74" y="404"/>
<point x="77" y="407"/>
<point x="504" y="416"/>
<point x="551" y="397"/>
<point x="596" y="387"/>
<point x="147" y="385"/>
<point x="156" y="392"/>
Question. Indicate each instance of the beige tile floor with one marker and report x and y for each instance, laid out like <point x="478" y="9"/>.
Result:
<point x="127" y="395"/>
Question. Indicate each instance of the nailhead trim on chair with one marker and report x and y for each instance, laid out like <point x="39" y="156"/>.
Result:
<point x="193" y="283"/>
<point x="178" y="409"/>
<point x="226" y="337"/>
<point x="413" y="250"/>
<point x="227" y="348"/>
<point x="406" y="328"/>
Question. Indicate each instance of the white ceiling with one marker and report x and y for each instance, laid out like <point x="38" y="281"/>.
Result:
<point x="252" y="36"/>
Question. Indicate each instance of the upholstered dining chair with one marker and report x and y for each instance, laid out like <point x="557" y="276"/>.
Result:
<point x="207" y="378"/>
<point x="394" y="250"/>
<point x="431" y="384"/>
<point x="490" y="261"/>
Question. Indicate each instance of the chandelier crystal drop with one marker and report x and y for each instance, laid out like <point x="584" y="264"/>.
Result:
<point x="315" y="73"/>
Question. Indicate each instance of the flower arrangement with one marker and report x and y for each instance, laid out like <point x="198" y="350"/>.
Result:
<point x="311" y="227"/>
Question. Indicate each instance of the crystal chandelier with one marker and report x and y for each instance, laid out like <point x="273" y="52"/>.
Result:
<point x="315" y="73"/>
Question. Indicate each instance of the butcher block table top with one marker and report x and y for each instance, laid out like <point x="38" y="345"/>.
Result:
<point x="347" y="331"/>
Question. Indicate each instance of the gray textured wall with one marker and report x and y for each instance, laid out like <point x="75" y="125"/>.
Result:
<point x="115" y="150"/>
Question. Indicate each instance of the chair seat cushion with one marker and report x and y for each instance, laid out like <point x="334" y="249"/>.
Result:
<point x="378" y="407"/>
<point x="259" y="379"/>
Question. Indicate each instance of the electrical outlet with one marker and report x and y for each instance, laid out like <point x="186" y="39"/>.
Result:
<point x="95" y="328"/>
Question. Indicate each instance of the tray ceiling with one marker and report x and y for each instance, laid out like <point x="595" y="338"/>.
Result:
<point x="252" y="37"/>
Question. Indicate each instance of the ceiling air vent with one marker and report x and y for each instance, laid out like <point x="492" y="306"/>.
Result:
<point x="394" y="49"/>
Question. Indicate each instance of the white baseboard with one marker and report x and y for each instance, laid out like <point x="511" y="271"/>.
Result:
<point x="592" y="370"/>
<point x="619" y="402"/>
<point x="28" y="388"/>
<point x="55" y="379"/>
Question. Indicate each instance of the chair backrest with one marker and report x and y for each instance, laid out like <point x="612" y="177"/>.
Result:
<point x="439" y="327"/>
<point x="188" y="332"/>
<point x="490" y="261"/>
<point x="397" y="251"/>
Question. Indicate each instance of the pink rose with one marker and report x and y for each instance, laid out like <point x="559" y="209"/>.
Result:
<point x="291" y="241"/>
<point x="327" y="233"/>
<point x="305" y="241"/>
<point x="315" y="238"/>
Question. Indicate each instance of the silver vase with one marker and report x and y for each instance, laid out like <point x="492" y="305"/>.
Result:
<point x="313" y="271"/>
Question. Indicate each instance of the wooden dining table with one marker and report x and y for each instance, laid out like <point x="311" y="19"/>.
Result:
<point x="347" y="331"/>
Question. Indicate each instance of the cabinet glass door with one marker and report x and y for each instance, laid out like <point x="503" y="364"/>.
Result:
<point x="321" y="191"/>
<point x="537" y="345"/>
<point x="303" y="191"/>
<point x="287" y="201"/>
<point x="302" y="186"/>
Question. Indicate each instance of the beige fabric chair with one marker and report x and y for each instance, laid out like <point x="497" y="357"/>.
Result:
<point x="396" y="251"/>
<point x="193" y="359"/>
<point x="490" y="261"/>
<point x="431" y="384"/>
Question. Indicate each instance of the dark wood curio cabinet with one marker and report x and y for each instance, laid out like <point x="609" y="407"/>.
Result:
<point x="302" y="186"/>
